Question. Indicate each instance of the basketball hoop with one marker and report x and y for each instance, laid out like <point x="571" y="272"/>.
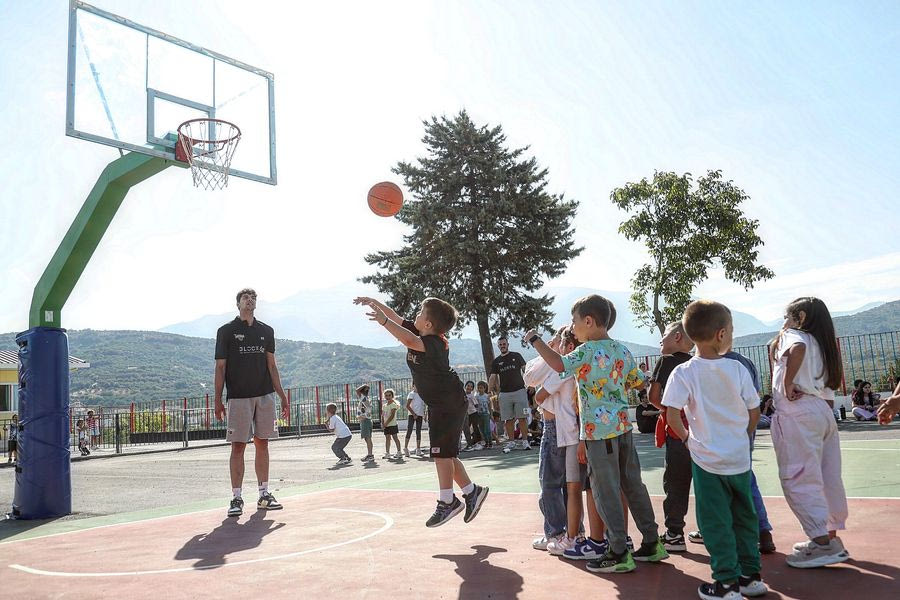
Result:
<point x="207" y="145"/>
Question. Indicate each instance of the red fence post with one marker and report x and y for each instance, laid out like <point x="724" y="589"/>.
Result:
<point x="164" y="416"/>
<point x="131" y="419"/>
<point x="289" y="408"/>
<point x="837" y="341"/>
<point x="318" y="407"/>
<point x="207" y="411"/>
<point x="347" y="401"/>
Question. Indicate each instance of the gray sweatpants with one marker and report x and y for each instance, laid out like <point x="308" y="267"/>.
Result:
<point x="615" y="469"/>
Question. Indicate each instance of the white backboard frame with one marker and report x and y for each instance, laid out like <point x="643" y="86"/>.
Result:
<point x="156" y="145"/>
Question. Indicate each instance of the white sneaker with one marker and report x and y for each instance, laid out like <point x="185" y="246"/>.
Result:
<point x="809" y="554"/>
<point x="398" y="456"/>
<point x="524" y="445"/>
<point x="406" y="452"/>
<point x="478" y="446"/>
<point x="509" y="446"/>
<point x="557" y="547"/>
<point x="540" y="543"/>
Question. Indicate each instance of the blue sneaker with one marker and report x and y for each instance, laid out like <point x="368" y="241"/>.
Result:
<point x="586" y="549"/>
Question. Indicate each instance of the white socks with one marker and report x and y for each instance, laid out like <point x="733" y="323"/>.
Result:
<point x="263" y="488"/>
<point x="468" y="489"/>
<point x="236" y="492"/>
<point x="446" y="496"/>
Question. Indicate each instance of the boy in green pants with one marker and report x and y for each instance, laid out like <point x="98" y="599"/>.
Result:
<point x="722" y="406"/>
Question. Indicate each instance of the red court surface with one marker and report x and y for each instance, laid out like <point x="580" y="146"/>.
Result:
<point x="373" y="544"/>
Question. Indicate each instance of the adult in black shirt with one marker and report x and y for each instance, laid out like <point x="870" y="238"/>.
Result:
<point x="506" y="377"/>
<point x="245" y="365"/>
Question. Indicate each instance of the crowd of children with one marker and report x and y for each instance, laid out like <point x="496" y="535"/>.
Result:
<point x="709" y="405"/>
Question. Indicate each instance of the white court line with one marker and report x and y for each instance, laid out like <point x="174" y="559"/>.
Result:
<point x="203" y="510"/>
<point x="388" y="523"/>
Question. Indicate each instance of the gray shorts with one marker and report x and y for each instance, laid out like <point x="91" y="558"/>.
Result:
<point x="258" y="412"/>
<point x="514" y="405"/>
<point x="575" y="471"/>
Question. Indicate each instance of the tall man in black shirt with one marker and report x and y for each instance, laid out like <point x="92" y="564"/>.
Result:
<point x="245" y="365"/>
<point x="506" y="376"/>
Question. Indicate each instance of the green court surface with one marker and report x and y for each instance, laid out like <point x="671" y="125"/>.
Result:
<point x="134" y="488"/>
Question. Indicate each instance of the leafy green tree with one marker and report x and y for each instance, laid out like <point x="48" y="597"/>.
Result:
<point x="485" y="231"/>
<point x="687" y="229"/>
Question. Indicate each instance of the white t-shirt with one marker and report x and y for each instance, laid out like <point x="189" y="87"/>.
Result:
<point x="417" y="405"/>
<point x="364" y="408"/>
<point x="536" y="372"/>
<point x="337" y="425"/>
<point x="716" y="396"/>
<point x="563" y="394"/>
<point x="810" y="377"/>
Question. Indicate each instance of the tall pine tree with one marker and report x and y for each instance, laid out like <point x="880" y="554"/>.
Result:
<point x="485" y="231"/>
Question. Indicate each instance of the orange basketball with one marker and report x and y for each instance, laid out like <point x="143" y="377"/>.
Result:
<point x="385" y="199"/>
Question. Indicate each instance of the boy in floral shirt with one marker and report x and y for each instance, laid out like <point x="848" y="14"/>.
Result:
<point x="604" y="371"/>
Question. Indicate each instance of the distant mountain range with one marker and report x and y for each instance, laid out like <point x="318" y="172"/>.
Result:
<point x="134" y="366"/>
<point x="329" y="316"/>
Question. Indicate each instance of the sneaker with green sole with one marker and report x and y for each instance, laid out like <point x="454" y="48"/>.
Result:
<point x="651" y="552"/>
<point x="611" y="562"/>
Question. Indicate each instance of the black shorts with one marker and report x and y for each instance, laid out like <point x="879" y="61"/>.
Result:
<point x="11" y="445"/>
<point x="445" y="424"/>
<point x="391" y="430"/>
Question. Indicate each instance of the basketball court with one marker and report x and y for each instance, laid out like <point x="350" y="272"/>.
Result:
<point x="359" y="532"/>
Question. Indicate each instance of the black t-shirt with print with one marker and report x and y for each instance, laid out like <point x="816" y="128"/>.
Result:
<point x="436" y="382"/>
<point x="244" y="348"/>
<point x="666" y="364"/>
<point x="509" y="368"/>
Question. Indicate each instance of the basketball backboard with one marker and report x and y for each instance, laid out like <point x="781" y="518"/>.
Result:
<point x="130" y="86"/>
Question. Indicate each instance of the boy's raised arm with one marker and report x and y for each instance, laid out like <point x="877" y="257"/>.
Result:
<point x="403" y="335"/>
<point x="551" y="357"/>
<point x="389" y="312"/>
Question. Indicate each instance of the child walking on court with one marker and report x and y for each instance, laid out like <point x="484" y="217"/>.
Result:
<point x="389" y="411"/>
<point x="428" y="358"/>
<point x="806" y="371"/>
<point x="82" y="437"/>
<point x="604" y="370"/>
<point x="722" y="406"/>
<point x="364" y="414"/>
<point x="341" y="432"/>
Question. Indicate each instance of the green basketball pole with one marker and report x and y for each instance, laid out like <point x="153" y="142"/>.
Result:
<point x="85" y="233"/>
<point x="43" y="478"/>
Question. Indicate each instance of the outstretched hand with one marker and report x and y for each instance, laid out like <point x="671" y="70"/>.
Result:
<point x="364" y="300"/>
<point x="888" y="409"/>
<point x="377" y="314"/>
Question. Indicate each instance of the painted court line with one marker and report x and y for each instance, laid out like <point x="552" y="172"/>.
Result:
<point x="388" y="523"/>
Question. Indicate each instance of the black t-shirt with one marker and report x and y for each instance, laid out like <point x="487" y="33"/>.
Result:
<point x="509" y="368"/>
<point x="645" y="423"/>
<point x="666" y="364"/>
<point x="436" y="382"/>
<point x="244" y="347"/>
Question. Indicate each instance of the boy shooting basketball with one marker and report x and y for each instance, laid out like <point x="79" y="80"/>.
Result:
<point x="428" y="358"/>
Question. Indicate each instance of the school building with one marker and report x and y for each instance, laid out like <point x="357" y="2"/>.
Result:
<point x="9" y="380"/>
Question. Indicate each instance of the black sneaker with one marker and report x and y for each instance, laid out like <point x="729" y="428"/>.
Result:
<point x="611" y="562"/>
<point x="752" y="586"/>
<point x="651" y="552"/>
<point x="715" y="590"/>
<point x="766" y="543"/>
<point x="673" y="542"/>
<point x="236" y="508"/>
<point x="474" y="502"/>
<point x="267" y="502"/>
<point x="444" y="512"/>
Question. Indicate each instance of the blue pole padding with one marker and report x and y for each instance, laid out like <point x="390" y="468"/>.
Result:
<point x="43" y="479"/>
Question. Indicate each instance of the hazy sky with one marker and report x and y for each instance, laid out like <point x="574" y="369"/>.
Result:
<point x="796" y="102"/>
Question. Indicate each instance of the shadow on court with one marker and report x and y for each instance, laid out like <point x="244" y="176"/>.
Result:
<point x="212" y="549"/>
<point x="480" y="578"/>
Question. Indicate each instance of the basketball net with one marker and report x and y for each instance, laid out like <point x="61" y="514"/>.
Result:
<point x="207" y="145"/>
